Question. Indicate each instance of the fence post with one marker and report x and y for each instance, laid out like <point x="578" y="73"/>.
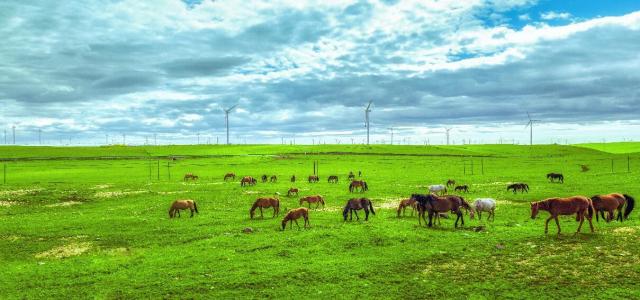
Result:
<point x="482" y="165"/>
<point x="158" y="169"/>
<point x="628" y="164"/>
<point x="4" y="176"/>
<point x="464" y="167"/>
<point x="150" y="171"/>
<point x="169" y="170"/>
<point x="471" y="165"/>
<point x="612" y="165"/>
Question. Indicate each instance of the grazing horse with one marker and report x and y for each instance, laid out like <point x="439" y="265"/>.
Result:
<point x="313" y="178"/>
<point x="437" y="188"/>
<point x="229" y="175"/>
<point x="407" y="203"/>
<point x="273" y="178"/>
<point x="579" y="205"/>
<point x="312" y="199"/>
<point x="247" y="180"/>
<point x="451" y="182"/>
<point x="522" y="187"/>
<point x="555" y="176"/>
<point x="293" y="216"/>
<point x="355" y="204"/>
<point x="292" y="191"/>
<point x="354" y="185"/>
<point x="263" y="178"/>
<point x="462" y="188"/>
<point x="351" y="176"/>
<point x="293" y="178"/>
<point x="612" y="202"/>
<point x="265" y="203"/>
<point x="332" y="179"/>
<point x="483" y="204"/>
<point x="190" y="176"/>
<point x="179" y="205"/>
<point x="438" y="204"/>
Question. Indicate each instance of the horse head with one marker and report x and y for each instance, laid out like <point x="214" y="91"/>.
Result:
<point x="535" y="207"/>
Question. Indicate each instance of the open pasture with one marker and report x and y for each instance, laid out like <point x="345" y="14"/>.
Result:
<point x="93" y="222"/>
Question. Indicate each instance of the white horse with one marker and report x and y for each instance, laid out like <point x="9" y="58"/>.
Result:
<point x="438" y="188"/>
<point x="484" y="204"/>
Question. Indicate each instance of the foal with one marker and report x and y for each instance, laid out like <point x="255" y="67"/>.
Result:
<point x="407" y="203"/>
<point x="293" y="216"/>
<point x="579" y="205"/>
<point x="355" y="204"/>
<point x="313" y="199"/>
<point x="265" y="203"/>
<point x="229" y="175"/>
<point x="178" y="205"/>
<point x="292" y="191"/>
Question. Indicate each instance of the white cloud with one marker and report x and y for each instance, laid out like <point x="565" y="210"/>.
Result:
<point x="552" y="15"/>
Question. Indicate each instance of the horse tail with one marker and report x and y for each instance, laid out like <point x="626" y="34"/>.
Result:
<point x="371" y="207"/>
<point x="630" y="205"/>
<point x="591" y="209"/>
<point x="195" y="207"/>
<point x="171" y="212"/>
<point x="366" y="187"/>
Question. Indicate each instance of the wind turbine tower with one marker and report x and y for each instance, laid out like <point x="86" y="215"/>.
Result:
<point x="530" y="125"/>
<point x="226" y="119"/>
<point x="391" y="128"/>
<point x="366" y="118"/>
<point x="447" y="132"/>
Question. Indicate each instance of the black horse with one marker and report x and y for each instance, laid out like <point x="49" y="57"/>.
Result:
<point x="555" y="176"/>
<point x="355" y="204"/>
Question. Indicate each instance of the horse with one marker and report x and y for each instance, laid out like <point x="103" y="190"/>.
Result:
<point x="355" y="204"/>
<point x="265" y="203"/>
<point x="451" y="182"/>
<point x="293" y="178"/>
<point x="293" y="216"/>
<point x="273" y="178"/>
<point x="247" y="180"/>
<point x="292" y="191"/>
<point x="462" y="188"/>
<point x="351" y="176"/>
<point x="437" y="204"/>
<point x="523" y="187"/>
<point x="313" y="178"/>
<point x="555" y="176"/>
<point x="312" y="199"/>
<point x="190" y="176"/>
<point x="332" y="179"/>
<point x="229" y="175"/>
<point x="579" y="205"/>
<point x="612" y="202"/>
<point x="178" y="205"/>
<point x="483" y="204"/>
<point x="359" y="173"/>
<point x="263" y="178"/>
<point x="437" y="188"/>
<point x="407" y="203"/>
<point x="354" y="185"/>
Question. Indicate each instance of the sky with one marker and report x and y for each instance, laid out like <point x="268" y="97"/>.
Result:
<point x="97" y="72"/>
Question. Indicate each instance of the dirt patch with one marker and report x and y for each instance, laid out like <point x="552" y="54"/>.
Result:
<point x="102" y="186"/>
<point x="8" y="203"/>
<point x="63" y="204"/>
<point x="117" y="194"/>
<point x="16" y="193"/>
<point x="625" y="230"/>
<point x="172" y="192"/>
<point x="68" y="250"/>
<point x="252" y="192"/>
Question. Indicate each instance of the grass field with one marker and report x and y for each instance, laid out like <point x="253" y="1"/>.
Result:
<point x="93" y="223"/>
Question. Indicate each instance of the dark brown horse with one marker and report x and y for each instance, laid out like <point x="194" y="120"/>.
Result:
<point x="273" y="178"/>
<point x="313" y="199"/>
<point x="332" y="179"/>
<point x="264" y="178"/>
<point x="265" y="203"/>
<point x="313" y="178"/>
<point x="355" y="204"/>
<point x="295" y="214"/>
<point x="247" y="180"/>
<point x="179" y="205"/>
<point x="451" y="182"/>
<point x="555" y="176"/>
<point x="355" y="184"/>
<point x="292" y="191"/>
<point x="522" y="187"/>
<point x="579" y="205"/>
<point x="435" y="205"/>
<point x="229" y="175"/>
<point x="462" y="188"/>
<point x="190" y="176"/>
<point x="293" y="178"/>
<point x="407" y="203"/>
<point x="611" y="203"/>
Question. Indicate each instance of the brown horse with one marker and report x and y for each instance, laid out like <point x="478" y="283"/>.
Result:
<point x="578" y="205"/>
<point x="355" y="204"/>
<point x="313" y="199"/>
<point x="190" y="176"/>
<point x="611" y="203"/>
<point x="438" y="204"/>
<point x="265" y="203"/>
<point x="264" y="178"/>
<point x="273" y="178"/>
<point x="332" y="179"/>
<point x="313" y="178"/>
<point x="407" y="203"/>
<point x="293" y="216"/>
<point x="247" y="180"/>
<point x="462" y="188"/>
<point x="355" y="184"/>
<point x="555" y="176"/>
<point x="229" y="175"/>
<point x="522" y="187"/>
<point x="293" y="178"/>
<point x="292" y="191"/>
<point x="451" y="182"/>
<point x="179" y="205"/>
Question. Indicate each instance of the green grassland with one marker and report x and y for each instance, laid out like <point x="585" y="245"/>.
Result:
<point x="92" y="222"/>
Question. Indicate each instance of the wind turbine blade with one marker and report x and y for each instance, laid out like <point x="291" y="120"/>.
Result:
<point x="528" y="124"/>
<point x="232" y="107"/>
<point x="529" y="116"/>
<point x="369" y="105"/>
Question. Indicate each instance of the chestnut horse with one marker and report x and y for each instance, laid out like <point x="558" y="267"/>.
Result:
<point x="265" y="203"/>
<point x="579" y="205"/>
<point x="247" y="180"/>
<point x="437" y="204"/>
<point x="555" y="176"/>
<point x="293" y="216"/>
<point x="354" y="185"/>
<point x="179" y="205"/>
<point x="407" y="203"/>
<point x="230" y="175"/>
<point x="190" y="176"/>
<point x="611" y="203"/>
<point x="273" y="178"/>
<point x="313" y="199"/>
<point x="332" y="179"/>
<point x="313" y="178"/>
<point x="462" y="188"/>
<point x="292" y="191"/>
<point x="355" y="204"/>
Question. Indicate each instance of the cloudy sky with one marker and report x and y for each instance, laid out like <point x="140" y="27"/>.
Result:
<point x="79" y="71"/>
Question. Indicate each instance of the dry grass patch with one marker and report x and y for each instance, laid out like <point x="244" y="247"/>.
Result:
<point x="68" y="250"/>
<point x="117" y="194"/>
<point x="63" y="204"/>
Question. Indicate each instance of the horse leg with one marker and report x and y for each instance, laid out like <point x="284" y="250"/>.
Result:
<point x="261" y="216"/>
<point x="296" y="220"/>
<point x="557" y="223"/>
<point x="366" y="214"/>
<point x="546" y="224"/>
<point x="479" y="215"/>
<point x="581" y="217"/>
<point x="357" y="217"/>
<point x="590" y="223"/>
<point x="191" y="212"/>
<point x="178" y="211"/>
<point x="461" y="217"/>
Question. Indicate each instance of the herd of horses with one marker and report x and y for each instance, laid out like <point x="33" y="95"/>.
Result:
<point x="434" y="205"/>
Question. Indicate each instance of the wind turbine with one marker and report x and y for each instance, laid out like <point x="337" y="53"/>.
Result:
<point x="366" y="118"/>
<point x="447" y="133"/>
<point x="391" y="128"/>
<point x="530" y="125"/>
<point x="226" y="119"/>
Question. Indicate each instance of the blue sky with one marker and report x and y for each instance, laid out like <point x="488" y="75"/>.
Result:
<point x="89" y="72"/>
